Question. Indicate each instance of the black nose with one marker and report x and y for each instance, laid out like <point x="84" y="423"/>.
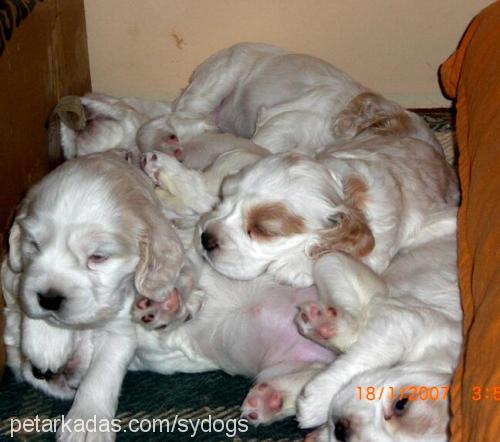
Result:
<point x="342" y="430"/>
<point x="50" y="300"/>
<point x="209" y="241"/>
<point x="39" y="374"/>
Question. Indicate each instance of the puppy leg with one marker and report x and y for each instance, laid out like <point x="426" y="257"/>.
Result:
<point x="381" y="343"/>
<point x="218" y="76"/>
<point x="188" y="190"/>
<point x="346" y="288"/>
<point x="274" y="398"/>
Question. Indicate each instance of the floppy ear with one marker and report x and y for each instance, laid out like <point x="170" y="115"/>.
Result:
<point x="371" y="111"/>
<point x="15" y="235"/>
<point x="15" y="256"/>
<point x="70" y="111"/>
<point x="348" y="230"/>
<point x="161" y="257"/>
<point x="349" y="233"/>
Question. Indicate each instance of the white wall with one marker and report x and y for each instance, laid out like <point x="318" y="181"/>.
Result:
<point x="392" y="46"/>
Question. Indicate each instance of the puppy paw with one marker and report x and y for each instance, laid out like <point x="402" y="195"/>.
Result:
<point x="151" y="166"/>
<point x="263" y="405"/>
<point x="156" y="315"/>
<point x="317" y="321"/>
<point x="313" y="404"/>
<point x="327" y="325"/>
<point x="72" y="430"/>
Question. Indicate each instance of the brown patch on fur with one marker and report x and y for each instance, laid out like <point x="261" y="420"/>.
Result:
<point x="351" y="234"/>
<point x="270" y="220"/>
<point x="356" y="191"/>
<point x="293" y="158"/>
<point x="372" y="111"/>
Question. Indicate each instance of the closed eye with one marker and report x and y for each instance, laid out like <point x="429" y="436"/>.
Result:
<point x="34" y="245"/>
<point x="97" y="258"/>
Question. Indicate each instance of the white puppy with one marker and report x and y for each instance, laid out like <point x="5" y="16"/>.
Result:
<point x="98" y="122"/>
<point x="86" y="239"/>
<point x="367" y="197"/>
<point x="283" y="101"/>
<point x="398" y="330"/>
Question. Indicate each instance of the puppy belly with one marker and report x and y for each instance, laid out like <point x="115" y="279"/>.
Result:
<point x="259" y="333"/>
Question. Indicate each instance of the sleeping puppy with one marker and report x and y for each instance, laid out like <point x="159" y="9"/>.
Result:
<point x="400" y="329"/>
<point x="98" y="122"/>
<point x="282" y="101"/>
<point x="87" y="238"/>
<point x="411" y="405"/>
<point x="367" y="197"/>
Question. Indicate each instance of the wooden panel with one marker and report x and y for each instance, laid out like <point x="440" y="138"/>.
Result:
<point x="45" y="58"/>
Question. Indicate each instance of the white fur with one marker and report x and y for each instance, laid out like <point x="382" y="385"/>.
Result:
<point x="84" y="232"/>
<point x="110" y="123"/>
<point x="98" y="204"/>
<point x="405" y="180"/>
<point x="283" y="101"/>
<point x="187" y="193"/>
<point x="406" y="330"/>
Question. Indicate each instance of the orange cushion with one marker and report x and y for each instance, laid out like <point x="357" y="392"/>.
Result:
<point x="472" y="77"/>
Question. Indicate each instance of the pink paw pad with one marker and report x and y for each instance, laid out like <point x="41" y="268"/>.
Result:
<point x="263" y="404"/>
<point x="316" y="320"/>
<point x="154" y="314"/>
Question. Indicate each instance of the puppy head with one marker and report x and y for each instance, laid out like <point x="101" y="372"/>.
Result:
<point x="373" y="113"/>
<point x="97" y="123"/>
<point x="278" y="215"/>
<point x="82" y="236"/>
<point x="396" y="413"/>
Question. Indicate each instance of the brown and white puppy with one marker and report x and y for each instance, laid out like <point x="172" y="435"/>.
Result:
<point x="367" y="197"/>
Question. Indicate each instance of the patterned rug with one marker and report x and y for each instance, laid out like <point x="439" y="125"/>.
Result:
<point x="210" y="400"/>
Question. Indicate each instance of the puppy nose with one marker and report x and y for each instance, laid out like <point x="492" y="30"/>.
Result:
<point x="208" y="241"/>
<point x="342" y="430"/>
<point x="50" y="300"/>
<point x="39" y="374"/>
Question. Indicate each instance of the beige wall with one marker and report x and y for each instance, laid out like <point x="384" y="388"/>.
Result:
<point x="149" y="47"/>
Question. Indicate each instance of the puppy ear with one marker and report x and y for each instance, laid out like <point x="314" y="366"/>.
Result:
<point x="70" y="111"/>
<point x="371" y="111"/>
<point x="15" y="255"/>
<point x="15" y="258"/>
<point x="348" y="230"/>
<point x="161" y="256"/>
<point x="349" y="233"/>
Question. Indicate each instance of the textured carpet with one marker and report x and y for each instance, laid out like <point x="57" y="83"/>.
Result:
<point x="190" y="396"/>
